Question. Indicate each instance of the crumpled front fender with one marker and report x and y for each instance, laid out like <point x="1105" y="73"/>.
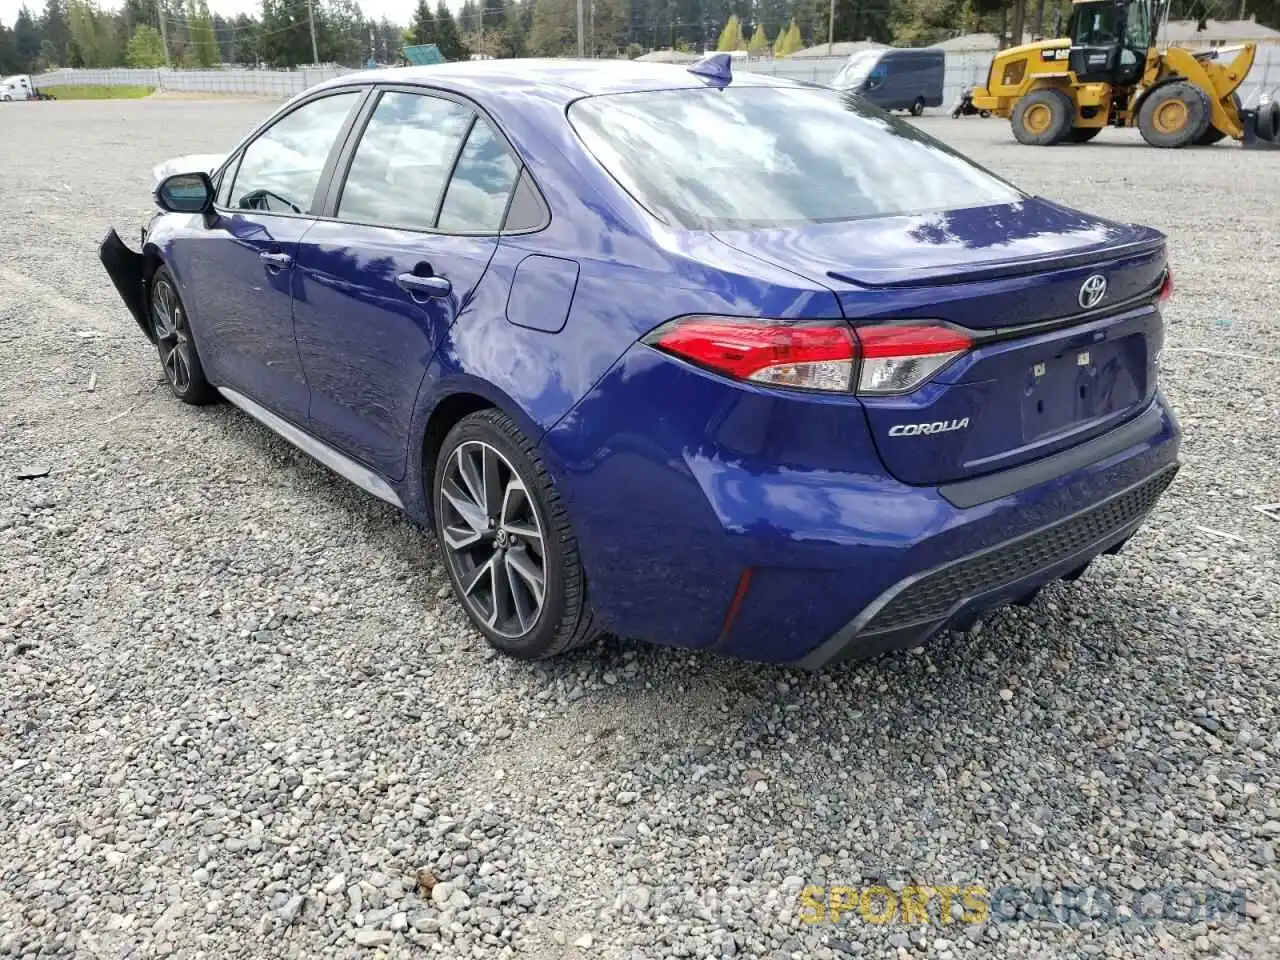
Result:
<point x="128" y="272"/>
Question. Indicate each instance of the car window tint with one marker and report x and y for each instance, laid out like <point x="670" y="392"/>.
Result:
<point x="280" y="170"/>
<point x="527" y="210"/>
<point x="403" y="160"/>
<point x="772" y="156"/>
<point x="481" y="183"/>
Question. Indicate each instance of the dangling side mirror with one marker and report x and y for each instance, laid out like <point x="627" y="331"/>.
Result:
<point x="185" y="193"/>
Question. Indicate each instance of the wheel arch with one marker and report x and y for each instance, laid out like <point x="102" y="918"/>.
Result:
<point x="447" y="404"/>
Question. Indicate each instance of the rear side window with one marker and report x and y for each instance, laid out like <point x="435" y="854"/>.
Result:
<point x="403" y="161"/>
<point x="743" y="157"/>
<point x="481" y="185"/>
<point x="279" y="171"/>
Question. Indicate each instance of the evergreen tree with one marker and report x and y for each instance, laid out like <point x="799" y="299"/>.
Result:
<point x="246" y="39"/>
<point x="93" y="42"/>
<point x="54" y="27"/>
<point x="788" y="41"/>
<point x="285" y="39"/>
<point x="469" y="18"/>
<point x="610" y="19"/>
<point x="26" y="43"/>
<point x="731" y="35"/>
<point x="146" y="48"/>
<point x="759" y="41"/>
<point x="201" y="40"/>
<point x="448" y="37"/>
<point x="555" y="25"/>
<point x="8" y="51"/>
<point x="515" y="29"/>
<point x="424" y="24"/>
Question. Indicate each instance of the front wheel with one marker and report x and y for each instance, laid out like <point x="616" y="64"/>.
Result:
<point x="1174" y="115"/>
<point x="177" y="348"/>
<point x="917" y="108"/>
<point x="1043" y="117"/>
<point x="511" y="554"/>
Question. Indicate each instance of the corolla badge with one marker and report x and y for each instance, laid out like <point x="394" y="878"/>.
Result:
<point x="1092" y="291"/>
<point x="918" y="429"/>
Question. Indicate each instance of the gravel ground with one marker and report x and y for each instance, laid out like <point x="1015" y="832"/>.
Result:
<point x="240" y="716"/>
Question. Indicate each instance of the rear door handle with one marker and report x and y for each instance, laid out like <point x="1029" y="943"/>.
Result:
<point x="277" y="260"/>
<point x="424" y="286"/>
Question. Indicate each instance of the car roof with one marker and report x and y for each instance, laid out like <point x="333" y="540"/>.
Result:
<point x="563" y="80"/>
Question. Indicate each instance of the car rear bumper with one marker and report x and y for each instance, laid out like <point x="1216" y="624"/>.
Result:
<point x="953" y="594"/>
<point x="763" y="525"/>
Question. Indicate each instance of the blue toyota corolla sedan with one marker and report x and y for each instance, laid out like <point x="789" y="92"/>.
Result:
<point x="719" y="361"/>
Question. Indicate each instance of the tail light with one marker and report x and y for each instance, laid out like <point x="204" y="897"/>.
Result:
<point x="824" y="355"/>
<point x="1166" y="287"/>
<point x="898" y="358"/>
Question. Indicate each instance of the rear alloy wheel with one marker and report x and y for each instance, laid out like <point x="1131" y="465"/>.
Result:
<point x="178" y="356"/>
<point x="1083" y="134"/>
<point x="1043" y="117"/>
<point x="1174" y="115"/>
<point x="917" y="108"/>
<point x="512" y="557"/>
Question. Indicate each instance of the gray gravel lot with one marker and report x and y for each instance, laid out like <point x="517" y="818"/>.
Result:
<point x="239" y="715"/>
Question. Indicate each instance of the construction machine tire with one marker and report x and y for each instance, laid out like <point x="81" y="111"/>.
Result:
<point x="1213" y="134"/>
<point x="1083" y="134"/>
<point x="1268" y="125"/>
<point x="1043" y="117"/>
<point x="1174" y="115"/>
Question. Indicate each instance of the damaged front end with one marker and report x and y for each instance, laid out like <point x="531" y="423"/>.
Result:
<point x="128" y="271"/>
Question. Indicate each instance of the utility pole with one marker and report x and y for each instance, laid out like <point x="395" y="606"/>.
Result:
<point x="164" y="34"/>
<point x="311" y="16"/>
<point x="582" y="35"/>
<point x="831" y="29"/>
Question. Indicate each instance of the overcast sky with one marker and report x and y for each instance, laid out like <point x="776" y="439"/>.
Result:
<point x="397" y="11"/>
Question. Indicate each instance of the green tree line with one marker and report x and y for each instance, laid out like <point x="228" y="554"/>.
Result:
<point x="82" y="33"/>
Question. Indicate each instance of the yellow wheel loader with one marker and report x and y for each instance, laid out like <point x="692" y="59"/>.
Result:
<point x="1108" y="72"/>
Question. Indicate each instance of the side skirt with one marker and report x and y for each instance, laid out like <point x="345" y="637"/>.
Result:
<point x="344" y="466"/>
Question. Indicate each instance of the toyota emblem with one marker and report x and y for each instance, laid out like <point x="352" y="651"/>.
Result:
<point x="1092" y="291"/>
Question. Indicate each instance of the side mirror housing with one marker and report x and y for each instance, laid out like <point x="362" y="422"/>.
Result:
<point x="185" y="193"/>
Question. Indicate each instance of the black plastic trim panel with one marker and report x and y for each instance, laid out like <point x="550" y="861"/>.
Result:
<point x="979" y="490"/>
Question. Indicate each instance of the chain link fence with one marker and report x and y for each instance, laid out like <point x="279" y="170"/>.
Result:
<point x="242" y="82"/>
<point x="962" y="70"/>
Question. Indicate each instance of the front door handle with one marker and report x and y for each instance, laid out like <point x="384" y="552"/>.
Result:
<point x="276" y="260"/>
<point x="424" y="286"/>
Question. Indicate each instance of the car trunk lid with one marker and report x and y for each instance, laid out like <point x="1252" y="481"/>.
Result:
<point x="1050" y="366"/>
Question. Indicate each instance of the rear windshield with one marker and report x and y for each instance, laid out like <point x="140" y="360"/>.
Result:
<point x="707" y="158"/>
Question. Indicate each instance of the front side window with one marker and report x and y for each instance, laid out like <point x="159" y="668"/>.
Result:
<point x="749" y="156"/>
<point x="481" y="184"/>
<point x="280" y="170"/>
<point x="1095" y="25"/>
<point x="402" y="162"/>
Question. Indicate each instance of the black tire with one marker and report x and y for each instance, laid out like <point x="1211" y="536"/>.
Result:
<point x="563" y="619"/>
<point x="917" y="108"/>
<point x="1182" y="99"/>
<point x="177" y="347"/>
<point x="984" y="114"/>
<point x="1083" y="134"/>
<point x="1268" y="127"/>
<point x="1029" y="110"/>
<point x="1212" y="135"/>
